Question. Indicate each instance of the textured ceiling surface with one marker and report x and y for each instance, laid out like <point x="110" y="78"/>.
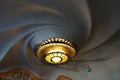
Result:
<point x="94" y="24"/>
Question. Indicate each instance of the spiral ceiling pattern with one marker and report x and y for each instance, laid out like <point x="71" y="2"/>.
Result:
<point x="26" y="23"/>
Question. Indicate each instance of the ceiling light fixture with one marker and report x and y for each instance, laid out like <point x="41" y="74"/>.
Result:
<point x="56" y="51"/>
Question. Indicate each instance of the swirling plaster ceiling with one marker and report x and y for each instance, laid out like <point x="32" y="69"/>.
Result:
<point x="92" y="24"/>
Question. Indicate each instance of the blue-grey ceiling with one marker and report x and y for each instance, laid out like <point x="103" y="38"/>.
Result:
<point x="92" y="24"/>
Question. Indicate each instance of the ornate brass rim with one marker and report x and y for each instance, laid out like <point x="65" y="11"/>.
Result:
<point x="56" y="51"/>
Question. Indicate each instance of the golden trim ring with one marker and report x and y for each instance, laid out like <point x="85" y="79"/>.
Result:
<point x="56" y="51"/>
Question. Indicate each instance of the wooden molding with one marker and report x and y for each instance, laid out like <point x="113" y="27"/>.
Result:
<point x="18" y="74"/>
<point x="22" y="74"/>
<point x="61" y="77"/>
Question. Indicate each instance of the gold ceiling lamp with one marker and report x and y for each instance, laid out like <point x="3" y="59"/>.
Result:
<point x="56" y="51"/>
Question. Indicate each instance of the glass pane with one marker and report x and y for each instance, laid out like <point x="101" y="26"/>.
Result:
<point x="7" y="78"/>
<point x="26" y="76"/>
<point x="14" y="75"/>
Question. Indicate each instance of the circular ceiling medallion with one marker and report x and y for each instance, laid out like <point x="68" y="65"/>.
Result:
<point x="56" y="51"/>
